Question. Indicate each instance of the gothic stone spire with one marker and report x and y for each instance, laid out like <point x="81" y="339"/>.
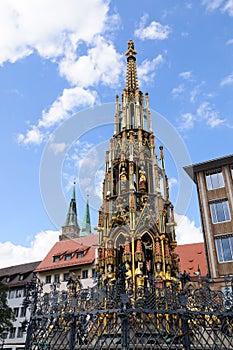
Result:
<point x="71" y="228"/>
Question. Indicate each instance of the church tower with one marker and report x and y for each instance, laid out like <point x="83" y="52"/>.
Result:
<point x="136" y="220"/>
<point x="71" y="227"/>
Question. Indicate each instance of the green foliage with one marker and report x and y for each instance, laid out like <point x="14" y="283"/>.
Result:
<point x="6" y="313"/>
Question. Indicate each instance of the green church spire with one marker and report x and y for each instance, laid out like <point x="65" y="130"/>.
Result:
<point x="86" y="226"/>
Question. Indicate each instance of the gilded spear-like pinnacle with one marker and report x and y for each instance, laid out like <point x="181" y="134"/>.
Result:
<point x="131" y="73"/>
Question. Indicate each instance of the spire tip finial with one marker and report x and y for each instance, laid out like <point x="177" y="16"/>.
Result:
<point x="131" y="51"/>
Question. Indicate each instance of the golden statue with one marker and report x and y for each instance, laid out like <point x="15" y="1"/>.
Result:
<point x="123" y="180"/>
<point x="142" y="180"/>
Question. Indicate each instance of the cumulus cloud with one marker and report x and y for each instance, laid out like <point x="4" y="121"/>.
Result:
<point x="39" y="247"/>
<point x="66" y="103"/>
<point x="228" y="80"/>
<point x="186" y="231"/>
<point x="61" y="109"/>
<point x="32" y="136"/>
<point x="147" y="69"/>
<point x="154" y="31"/>
<point x="102" y="64"/>
<point x="32" y="26"/>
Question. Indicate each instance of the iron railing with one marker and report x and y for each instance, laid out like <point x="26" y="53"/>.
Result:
<point x="106" y="317"/>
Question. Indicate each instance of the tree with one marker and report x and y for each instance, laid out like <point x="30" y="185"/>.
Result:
<point x="6" y="313"/>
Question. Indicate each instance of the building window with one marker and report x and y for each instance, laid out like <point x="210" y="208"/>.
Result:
<point x="12" y="332"/>
<point x="19" y="293"/>
<point x="57" y="278"/>
<point x="16" y="311"/>
<point x="11" y="293"/>
<point x="20" y="332"/>
<point x="8" y="279"/>
<point x="85" y="274"/>
<point x="48" y="279"/>
<point x="224" y="249"/>
<point x="80" y="254"/>
<point x="68" y="256"/>
<point x="23" y="311"/>
<point x="214" y="179"/>
<point x="93" y="273"/>
<point x="66" y="276"/>
<point x="220" y="211"/>
<point x="56" y="258"/>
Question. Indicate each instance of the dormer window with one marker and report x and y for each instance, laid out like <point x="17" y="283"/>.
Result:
<point x="8" y="279"/>
<point x="80" y="254"/>
<point x="21" y="277"/>
<point x="56" y="258"/>
<point x="68" y="256"/>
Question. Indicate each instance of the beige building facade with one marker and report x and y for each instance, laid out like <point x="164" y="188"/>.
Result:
<point x="214" y="180"/>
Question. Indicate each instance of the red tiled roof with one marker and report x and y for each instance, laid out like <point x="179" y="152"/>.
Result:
<point x="71" y="246"/>
<point x="192" y="256"/>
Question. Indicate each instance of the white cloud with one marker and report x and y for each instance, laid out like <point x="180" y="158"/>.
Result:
<point x="38" y="249"/>
<point x="173" y="182"/>
<point x="178" y="90"/>
<point x="228" y="80"/>
<point x="222" y="5"/>
<point x="102" y="64"/>
<point x="32" y="136"/>
<point x="187" y="121"/>
<point x="146" y="71"/>
<point x="61" y="109"/>
<point x="228" y="7"/>
<point x="194" y="93"/>
<point x="154" y="31"/>
<point x="186" y="231"/>
<point x="212" y="4"/>
<point x="229" y="42"/>
<point x="55" y="29"/>
<point x="186" y="75"/>
<point x="58" y="147"/>
<point x="207" y="112"/>
<point x="66" y="103"/>
<point x="49" y="27"/>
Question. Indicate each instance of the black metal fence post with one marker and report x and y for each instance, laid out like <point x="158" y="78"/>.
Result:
<point x="72" y="333"/>
<point x="125" y="325"/>
<point x="125" y="329"/>
<point x="185" y="332"/>
<point x="30" y="329"/>
<point x="184" y="315"/>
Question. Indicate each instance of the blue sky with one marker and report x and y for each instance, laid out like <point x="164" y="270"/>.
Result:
<point x="60" y="59"/>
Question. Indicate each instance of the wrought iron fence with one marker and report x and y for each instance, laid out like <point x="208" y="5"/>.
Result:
<point x="107" y="317"/>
